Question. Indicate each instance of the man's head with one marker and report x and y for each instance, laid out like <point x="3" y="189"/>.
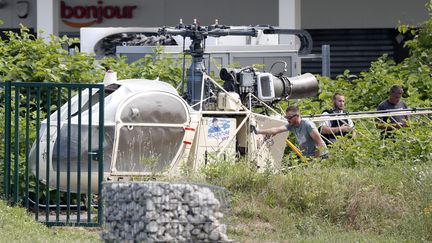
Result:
<point x="396" y="93"/>
<point x="215" y="122"/>
<point x="292" y="114"/>
<point x="338" y="101"/>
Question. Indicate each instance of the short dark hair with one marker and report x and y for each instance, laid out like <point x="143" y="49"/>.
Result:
<point x="292" y="108"/>
<point x="396" y="89"/>
<point x="336" y="94"/>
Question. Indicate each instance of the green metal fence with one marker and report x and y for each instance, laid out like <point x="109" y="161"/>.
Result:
<point x="42" y="169"/>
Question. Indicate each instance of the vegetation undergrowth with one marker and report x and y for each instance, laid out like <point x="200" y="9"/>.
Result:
<point x="369" y="189"/>
<point x="392" y="200"/>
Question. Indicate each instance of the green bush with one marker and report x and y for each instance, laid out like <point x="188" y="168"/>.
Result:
<point x="29" y="59"/>
<point x="410" y="146"/>
<point x="365" y="91"/>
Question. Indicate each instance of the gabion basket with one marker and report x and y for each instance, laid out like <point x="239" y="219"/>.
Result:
<point x="164" y="212"/>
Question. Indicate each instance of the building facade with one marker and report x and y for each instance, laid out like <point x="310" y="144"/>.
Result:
<point x="363" y="29"/>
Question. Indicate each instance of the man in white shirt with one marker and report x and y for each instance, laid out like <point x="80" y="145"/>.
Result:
<point x="330" y="130"/>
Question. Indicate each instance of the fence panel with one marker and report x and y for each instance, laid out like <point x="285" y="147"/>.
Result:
<point x="53" y="176"/>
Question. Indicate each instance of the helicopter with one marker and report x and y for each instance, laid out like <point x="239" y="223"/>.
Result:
<point x="151" y="128"/>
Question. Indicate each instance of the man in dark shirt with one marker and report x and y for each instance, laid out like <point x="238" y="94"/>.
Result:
<point x="394" y="102"/>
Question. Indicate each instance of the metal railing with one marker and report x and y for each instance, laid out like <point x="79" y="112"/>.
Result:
<point x="50" y="186"/>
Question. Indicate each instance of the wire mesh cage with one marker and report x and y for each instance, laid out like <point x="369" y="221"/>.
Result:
<point x="164" y="212"/>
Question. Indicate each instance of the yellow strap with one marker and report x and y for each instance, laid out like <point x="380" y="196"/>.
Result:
<point x="297" y="151"/>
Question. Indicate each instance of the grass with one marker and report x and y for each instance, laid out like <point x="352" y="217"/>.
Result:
<point x="322" y="204"/>
<point x="16" y="225"/>
<point x="288" y="227"/>
<point x="310" y="204"/>
<point x="265" y="224"/>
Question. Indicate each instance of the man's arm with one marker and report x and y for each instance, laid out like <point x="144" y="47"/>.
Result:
<point x="332" y="130"/>
<point x="318" y="141"/>
<point x="405" y="119"/>
<point x="384" y="124"/>
<point x="272" y="131"/>
<point x="351" y="125"/>
<point x="324" y="126"/>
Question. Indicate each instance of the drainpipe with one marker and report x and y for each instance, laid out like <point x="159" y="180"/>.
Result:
<point x="47" y="18"/>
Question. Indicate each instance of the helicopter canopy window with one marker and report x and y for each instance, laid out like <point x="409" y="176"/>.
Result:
<point x="152" y="133"/>
<point x="148" y="149"/>
<point x="154" y="107"/>
<point x="78" y="151"/>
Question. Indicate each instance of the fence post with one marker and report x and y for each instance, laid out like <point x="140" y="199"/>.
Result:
<point x="326" y="71"/>
<point x="7" y="140"/>
<point x="101" y="153"/>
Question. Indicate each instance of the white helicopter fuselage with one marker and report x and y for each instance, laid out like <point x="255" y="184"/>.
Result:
<point x="148" y="129"/>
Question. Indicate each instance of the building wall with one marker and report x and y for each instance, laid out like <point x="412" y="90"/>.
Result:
<point x="155" y="13"/>
<point x="315" y="14"/>
<point x="11" y="9"/>
<point x="331" y="14"/>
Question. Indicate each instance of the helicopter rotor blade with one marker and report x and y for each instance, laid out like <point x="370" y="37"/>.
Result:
<point x="304" y="36"/>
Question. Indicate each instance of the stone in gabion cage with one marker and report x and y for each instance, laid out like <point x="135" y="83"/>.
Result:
<point x="163" y="212"/>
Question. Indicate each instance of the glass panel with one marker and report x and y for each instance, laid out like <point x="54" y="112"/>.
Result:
<point x="108" y="147"/>
<point x="148" y="149"/>
<point x="154" y="108"/>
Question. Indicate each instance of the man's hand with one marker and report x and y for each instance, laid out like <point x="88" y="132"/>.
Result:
<point x="345" y="128"/>
<point x="253" y="129"/>
<point x="319" y="143"/>
<point x="253" y="126"/>
<point x="400" y="125"/>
